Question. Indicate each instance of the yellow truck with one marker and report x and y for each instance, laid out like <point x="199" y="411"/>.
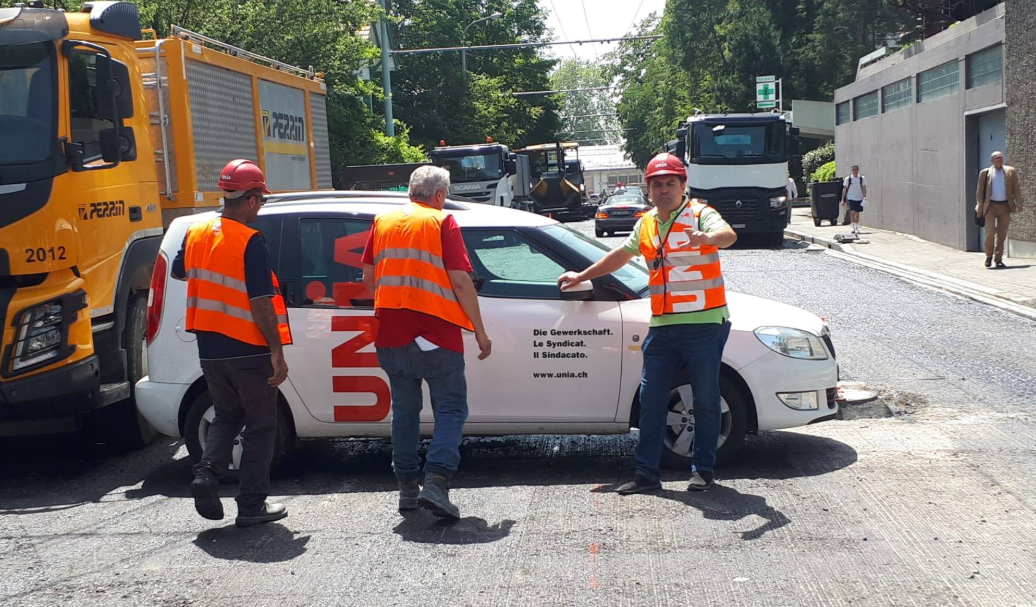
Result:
<point x="106" y="134"/>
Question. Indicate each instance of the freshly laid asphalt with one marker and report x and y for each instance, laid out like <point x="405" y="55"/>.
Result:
<point x="931" y="506"/>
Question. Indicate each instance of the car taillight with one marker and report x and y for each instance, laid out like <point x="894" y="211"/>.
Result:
<point x="156" y="297"/>
<point x="602" y="216"/>
<point x="640" y="213"/>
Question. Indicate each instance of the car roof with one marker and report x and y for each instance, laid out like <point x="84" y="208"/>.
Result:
<point x="467" y="212"/>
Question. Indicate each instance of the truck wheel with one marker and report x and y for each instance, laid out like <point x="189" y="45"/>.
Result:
<point x="600" y="233"/>
<point x="679" y="434"/>
<point x="200" y="416"/>
<point x="122" y="424"/>
<point x="777" y="240"/>
<point x="816" y="221"/>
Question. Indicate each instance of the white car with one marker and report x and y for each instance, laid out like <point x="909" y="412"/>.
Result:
<point x="562" y="363"/>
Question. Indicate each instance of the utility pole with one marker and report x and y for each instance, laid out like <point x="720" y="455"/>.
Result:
<point x="386" y="72"/>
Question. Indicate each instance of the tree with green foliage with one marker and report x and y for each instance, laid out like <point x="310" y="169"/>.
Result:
<point x="441" y="102"/>
<point x="590" y="115"/>
<point x="814" y="159"/>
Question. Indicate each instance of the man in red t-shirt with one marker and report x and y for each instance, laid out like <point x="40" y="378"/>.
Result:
<point x="419" y="336"/>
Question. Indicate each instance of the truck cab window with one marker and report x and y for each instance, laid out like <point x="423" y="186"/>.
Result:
<point x="87" y="123"/>
<point x="27" y="96"/>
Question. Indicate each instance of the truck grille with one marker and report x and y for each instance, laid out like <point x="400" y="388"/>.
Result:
<point x="733" y="214"/>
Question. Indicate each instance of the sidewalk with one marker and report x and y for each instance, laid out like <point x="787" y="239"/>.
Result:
<point x="1012" y="289"/>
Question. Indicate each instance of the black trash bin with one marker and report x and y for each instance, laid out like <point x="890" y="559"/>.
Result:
<point x="825" y="198"/>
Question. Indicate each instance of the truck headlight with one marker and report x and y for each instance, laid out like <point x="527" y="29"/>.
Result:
<point x="793" y="343"/>
<point x="700" y="200"/>
<point x="778" y="201"/>
<point x="39" y="335"/>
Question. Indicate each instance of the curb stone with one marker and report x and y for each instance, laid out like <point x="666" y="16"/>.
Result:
<point x="968" y="290"/>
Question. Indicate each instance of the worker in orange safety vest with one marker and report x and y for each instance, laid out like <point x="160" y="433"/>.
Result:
<point x="680" y="240"/>
<point x="235" y="307"/>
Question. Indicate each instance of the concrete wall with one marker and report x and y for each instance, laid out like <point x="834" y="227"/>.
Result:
<point x="1020" y="72"/>
<point x="916" y="158"/>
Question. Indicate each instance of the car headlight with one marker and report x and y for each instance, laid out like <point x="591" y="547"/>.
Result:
<point x="793" y="343"/>
<point x="39" y="335"/>
<point x="778" y="201"/>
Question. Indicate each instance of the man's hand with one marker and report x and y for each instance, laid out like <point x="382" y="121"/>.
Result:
<point x="485" y="345"/>
<point x="280" y="369"/>
<point x="696" y="238"/>
<point x="569" y="280"/>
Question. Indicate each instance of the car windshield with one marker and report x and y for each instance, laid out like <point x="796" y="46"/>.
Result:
<point x="476" y="167"/>
<point x="734" y="143"/>
<point x="625" y="199"/>
<point x="26" y="103"/>
<point x="633" y="275"/>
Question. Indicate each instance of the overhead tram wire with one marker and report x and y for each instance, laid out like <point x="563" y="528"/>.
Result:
<point x="562" y="26"/>
<point x="586" y="18"/>
<point x="634" y="21"/>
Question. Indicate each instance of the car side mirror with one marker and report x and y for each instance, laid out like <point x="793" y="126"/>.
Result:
<point x="581" y="292"/>
<point x="511" y="166"/>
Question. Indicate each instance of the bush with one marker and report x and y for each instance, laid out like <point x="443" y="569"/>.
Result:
<point x="812" y="161"/>
<point x="825" y="173"/>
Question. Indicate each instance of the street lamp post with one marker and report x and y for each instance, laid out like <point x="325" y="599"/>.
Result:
<point x="463" y="53"/>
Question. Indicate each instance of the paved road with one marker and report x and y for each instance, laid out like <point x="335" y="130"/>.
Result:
<point x="931" y="507"/>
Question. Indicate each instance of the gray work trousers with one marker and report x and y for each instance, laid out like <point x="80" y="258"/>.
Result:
<point x="242" y="398"/>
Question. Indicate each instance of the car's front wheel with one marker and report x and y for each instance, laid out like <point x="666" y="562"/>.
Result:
<point x="200" y="417"/>
<point x="679" y="433"/>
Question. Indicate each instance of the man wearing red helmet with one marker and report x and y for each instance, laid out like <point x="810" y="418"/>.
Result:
<point x="679" y="239"/>
<point x="235" y="308"/>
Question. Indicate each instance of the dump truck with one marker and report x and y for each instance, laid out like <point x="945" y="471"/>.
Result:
<point x="105" y="137"/>
<point x="553" y="168"/>
<point x="488" y="172"/>
<point x="738" y="164"/>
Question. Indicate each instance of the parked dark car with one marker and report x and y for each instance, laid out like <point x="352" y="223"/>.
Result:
<point x="619" y="214"/>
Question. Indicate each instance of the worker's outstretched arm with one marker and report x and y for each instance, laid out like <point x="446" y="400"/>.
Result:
<point x="611" y="262"/>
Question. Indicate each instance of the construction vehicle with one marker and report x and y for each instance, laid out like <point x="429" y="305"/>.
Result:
<point x="553" y="168"/>
<point x="489" y="173"/>
<point x="105" y="137"/>
<point x="379" y="177"/>
<point x="738" y="164"/>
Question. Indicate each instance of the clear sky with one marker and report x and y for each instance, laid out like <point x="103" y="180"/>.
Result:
<point x="602" y="19"/>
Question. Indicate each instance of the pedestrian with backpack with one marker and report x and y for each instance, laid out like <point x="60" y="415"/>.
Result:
<point x="854" y="196"/>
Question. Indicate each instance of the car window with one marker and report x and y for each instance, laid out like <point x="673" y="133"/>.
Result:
<point x="329" y="262"/>
<point x="510" y="265"/>
<point x="633" y="275"/>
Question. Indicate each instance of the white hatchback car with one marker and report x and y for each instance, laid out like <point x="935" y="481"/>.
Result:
<point x="562" y="363"/>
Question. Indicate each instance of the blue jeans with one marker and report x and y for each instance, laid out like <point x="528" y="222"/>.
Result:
<point x="443" y="369"/>
<point x="697" y="349"/>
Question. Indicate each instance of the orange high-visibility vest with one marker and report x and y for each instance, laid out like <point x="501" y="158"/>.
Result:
<point x="684" y="278"/>
<point x="409" y="272"/>
<point x="217" y="296"/>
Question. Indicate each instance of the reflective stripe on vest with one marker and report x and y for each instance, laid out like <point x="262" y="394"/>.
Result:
<point x="409" y="271"/>
<point x="688" y="279"/>
<point x="217" y="294"/>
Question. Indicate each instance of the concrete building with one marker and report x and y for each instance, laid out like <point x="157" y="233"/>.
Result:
<point x="922" y="123"/>
<point x="1020" y="63"/>
<point x="604" y="166"/>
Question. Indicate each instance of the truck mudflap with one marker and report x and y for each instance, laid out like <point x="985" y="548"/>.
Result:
<point x="42" y="399"/>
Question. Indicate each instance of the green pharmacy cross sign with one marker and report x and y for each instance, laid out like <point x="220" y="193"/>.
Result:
<point x="765" y="92"/>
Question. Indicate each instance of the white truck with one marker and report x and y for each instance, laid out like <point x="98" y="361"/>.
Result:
<point x="489" y="173"/>
<point x="738" y="164"/>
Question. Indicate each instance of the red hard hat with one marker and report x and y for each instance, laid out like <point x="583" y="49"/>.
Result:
<point x="241" y="175"/>
<point x="665" y="164"/>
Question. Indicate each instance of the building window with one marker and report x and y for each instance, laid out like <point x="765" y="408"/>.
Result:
<point x="843" y="112"/>
<point x="938" y="82"/>
<point x="985" y="67"/>
<point x="897" y="95"/>
<point x="865" y="106"/>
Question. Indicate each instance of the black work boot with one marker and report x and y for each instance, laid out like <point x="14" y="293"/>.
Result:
<point x="639" y="484"/>
<point x="257" y="515"/>
<point x="700" y="481"/>
<point x="205" y="490"/>
<point x="435" y="497"/>
<point x="409" y="487"/>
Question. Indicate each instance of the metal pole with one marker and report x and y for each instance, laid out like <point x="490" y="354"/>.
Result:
<point x="386" y="73"/>
<point x="780" y="94"/>
<point x="464" y="62"/>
